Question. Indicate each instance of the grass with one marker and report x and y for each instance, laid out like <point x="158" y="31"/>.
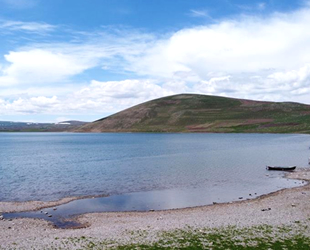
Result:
<point x="229" y="238"/>
<point x="294" y="236"/>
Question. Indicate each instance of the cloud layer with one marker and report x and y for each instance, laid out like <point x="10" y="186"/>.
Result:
<point x="41" y="66"/>
<point x="264" y="58"/>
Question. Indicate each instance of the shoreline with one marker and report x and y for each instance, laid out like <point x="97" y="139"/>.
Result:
<point x="30" y="206"/>
<point x="284" y="207"/>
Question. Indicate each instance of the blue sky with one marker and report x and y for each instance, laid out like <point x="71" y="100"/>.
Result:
<point x="78" y="59"/>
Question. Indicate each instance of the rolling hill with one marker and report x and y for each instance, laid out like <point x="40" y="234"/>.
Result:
<point x="203" y="113"/>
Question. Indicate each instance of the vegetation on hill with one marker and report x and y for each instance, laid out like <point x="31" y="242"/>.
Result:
<point x="202" y="113"/>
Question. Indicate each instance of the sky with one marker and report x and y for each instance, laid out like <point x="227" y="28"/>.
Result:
<point x="84" y="60"/>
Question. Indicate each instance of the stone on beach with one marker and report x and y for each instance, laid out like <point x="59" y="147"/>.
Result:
<point x="266" y="209"/>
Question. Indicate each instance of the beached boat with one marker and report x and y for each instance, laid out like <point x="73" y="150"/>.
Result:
<point x="281" y="168"/>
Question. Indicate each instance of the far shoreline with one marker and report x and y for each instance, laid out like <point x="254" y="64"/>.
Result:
<point x="152" y="132"/>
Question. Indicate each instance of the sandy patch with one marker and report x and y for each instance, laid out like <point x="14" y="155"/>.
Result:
<point x="9" y="207"/>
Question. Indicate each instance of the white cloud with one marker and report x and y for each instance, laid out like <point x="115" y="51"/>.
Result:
<point x="29" y="106"/>
<point x="291" y="85"/>
<point x="43" y="101"/>
<point x="120" y="94"/>
<point x="111" y="96"/>
<point x="27" y="26"/>
<point x="199" y="13"/>
<point x="47" y="63"/>
<point x="295" y="78"/>
<point x="246" y="45"/>
<point x="263" y="58"/>
<point x="41" y="66"/>
<point x="95" y="98"/>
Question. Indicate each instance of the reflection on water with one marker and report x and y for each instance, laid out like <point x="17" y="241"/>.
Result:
<point x="146" y="201"/>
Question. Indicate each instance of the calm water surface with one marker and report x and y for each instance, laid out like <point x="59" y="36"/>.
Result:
<point x="144" y="171"/>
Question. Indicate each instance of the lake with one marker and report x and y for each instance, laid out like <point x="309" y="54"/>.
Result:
<point x="141" y="171"/>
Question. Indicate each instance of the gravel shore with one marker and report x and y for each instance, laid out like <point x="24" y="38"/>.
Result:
<point x="283" y="207"/>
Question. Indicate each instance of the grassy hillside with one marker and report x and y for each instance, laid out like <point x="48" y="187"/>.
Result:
<point x="202" y="113"/>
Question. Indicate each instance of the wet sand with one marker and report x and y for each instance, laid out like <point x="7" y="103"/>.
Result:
<point x="283" y="207"/>
<point x="9" y="207"/>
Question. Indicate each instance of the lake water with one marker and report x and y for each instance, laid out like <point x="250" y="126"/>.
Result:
<point x="145" y="171"/>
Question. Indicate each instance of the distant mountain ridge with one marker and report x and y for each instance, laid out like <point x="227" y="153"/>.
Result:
<point x="8" y="126"/>
<point x="203" y="113"/>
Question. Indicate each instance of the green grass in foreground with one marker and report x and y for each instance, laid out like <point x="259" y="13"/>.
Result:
<point x="296" y="236"/>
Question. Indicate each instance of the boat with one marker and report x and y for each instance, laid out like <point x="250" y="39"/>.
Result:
<point x="280" y="168"/>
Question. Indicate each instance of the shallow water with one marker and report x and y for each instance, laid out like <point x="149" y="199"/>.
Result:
<point x="144" y="171"/>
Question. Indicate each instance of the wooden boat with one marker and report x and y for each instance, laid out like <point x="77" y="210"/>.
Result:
<point x="281" y="168"/>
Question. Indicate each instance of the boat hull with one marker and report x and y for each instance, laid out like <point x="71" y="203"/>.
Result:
<point x="281" y="168"/>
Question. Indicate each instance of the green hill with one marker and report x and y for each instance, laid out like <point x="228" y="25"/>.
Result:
<point x="202" y="113"/>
